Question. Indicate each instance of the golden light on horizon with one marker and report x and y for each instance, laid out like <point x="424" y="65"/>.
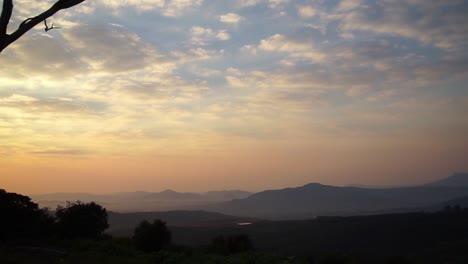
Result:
<point x="108" y="103"/>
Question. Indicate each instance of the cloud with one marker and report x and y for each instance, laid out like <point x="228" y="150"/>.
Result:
<point x="81" y="50"/>
<point x="298" y="49"/>
<point x="37" y="105"/>
<point x="347" y="5"/>
<point x="197" y="54"/>
<point x="38" y="54"/>
<point x="393" y="65"/>
<point x="231" y="18"/>
<point x="201" y="36"/>
<point x="285" y="80"/>
<point x="111" y="48"/>
<point x="306" y="11"/>
<point x="434" y="26"/>
<point x="141" y="5"/>
<point x="269" y="3"/>
<point x="170" y="8"/>
<point x="247" y="3"/>
<point x="17" y="99"/>
<point x="276" y="3"/>
<point x="147" y="75"/>
<point x="61" y="152"/>
<point x="33" y="8"/>
<point x="282" y="43"/>
<point x="178" y="7"/>
<point x="357" y="90"/>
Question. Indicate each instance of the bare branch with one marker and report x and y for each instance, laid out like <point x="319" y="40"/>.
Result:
<point x="29" y="23"/>
<point x="47" y="28"/>
<point x="7" y="10"/>
<point x="64" y="4"/>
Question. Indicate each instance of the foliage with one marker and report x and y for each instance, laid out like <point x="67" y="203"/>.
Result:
<point x="151" y="237"/>
<point x="431" y="238"/>
<point x="22" y="218"/>
<point x="77" y="219"/>
<point x="232" y="244"/>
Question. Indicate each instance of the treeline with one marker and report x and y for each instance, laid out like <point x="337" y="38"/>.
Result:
<point x="75" y="233"/>
<point x="23" y="219"/>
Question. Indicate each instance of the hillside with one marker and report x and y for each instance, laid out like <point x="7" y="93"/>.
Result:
<point x="124" y="223"/>
<point x="316" y="199"/>
<point x="370" y="235"/>
<point x="458" y="179"/>
<point x="142" y="201"/>
<point x="460" y="201"/>
<point x="302" y="202"/>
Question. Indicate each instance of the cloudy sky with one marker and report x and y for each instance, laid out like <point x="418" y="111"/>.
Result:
<point x="197" y="95"/>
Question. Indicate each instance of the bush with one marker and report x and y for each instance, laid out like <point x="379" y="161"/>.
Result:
<point x="232" y="244"/>
<point x="21" y="218"/>
<point x="152" y="237"/>
<point x="81" y="220"/>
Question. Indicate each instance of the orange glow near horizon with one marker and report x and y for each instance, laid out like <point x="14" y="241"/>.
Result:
<point x="220" y="95"/>
<point x="262" y="167"/>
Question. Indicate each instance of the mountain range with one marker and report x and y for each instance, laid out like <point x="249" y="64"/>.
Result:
<point x="316" y="199"/>
<point x="302" y="202"/>
<point x="142" y="201"/>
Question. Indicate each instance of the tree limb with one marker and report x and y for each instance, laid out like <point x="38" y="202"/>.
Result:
<point x="7" y="10"/>
<point x="26" y="25"/>
<point x="47" y="28"/>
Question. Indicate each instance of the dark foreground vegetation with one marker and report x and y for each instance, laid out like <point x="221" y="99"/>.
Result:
<point x="75" y="234"/>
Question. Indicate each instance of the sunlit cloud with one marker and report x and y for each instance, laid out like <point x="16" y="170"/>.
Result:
<point x="306" y="11"/>
<point x="300" y="49"/>
<point x="246" y="3"/>
<point x="201" y="36"/>
<point x="151" y="81"/>
<point x="347" y="5"/>
<point x="231" y="18"/>
<point x="435" y="26"/>
<point x="170" y="8"/>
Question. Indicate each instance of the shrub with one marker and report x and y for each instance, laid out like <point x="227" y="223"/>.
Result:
<point x="21" y="218"/>
<point x="152" y="237"/>
<point x="81" y="220"/>
<point x="232" y="244"/>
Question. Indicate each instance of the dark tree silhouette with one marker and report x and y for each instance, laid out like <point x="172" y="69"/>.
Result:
<point x="219" y="245"/>
<point x="232" y="244"/>
<point x="77" y="219"/>
<point x="21" y="218"/>
<point x="7" y="10"/>
<point x="151" y="237"/>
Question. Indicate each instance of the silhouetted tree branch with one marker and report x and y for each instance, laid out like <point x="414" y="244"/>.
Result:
<point x="7" y="9"/>
<point x="47" y="28"/>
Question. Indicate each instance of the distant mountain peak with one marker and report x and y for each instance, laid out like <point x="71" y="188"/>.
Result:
<point x="312" y="184"/>
<point x="458" y="179"/>
<point x="460" y="174"/>
<point x="168" y="191"/>
<point x="316" y="185"/>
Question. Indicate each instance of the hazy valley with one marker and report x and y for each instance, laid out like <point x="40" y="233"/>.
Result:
<point x="302" y="202"/>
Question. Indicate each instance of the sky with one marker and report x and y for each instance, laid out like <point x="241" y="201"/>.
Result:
<point x="198" y="95"/>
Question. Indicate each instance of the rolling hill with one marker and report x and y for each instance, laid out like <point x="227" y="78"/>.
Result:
<point x="316" y="199"/>
<point x="142" y="201"/>
<point x="123" y="224"/>
<point x="302" y="202"/>
<point x="458" y="179"/>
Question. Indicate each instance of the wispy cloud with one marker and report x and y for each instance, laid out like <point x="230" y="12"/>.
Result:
<point x="61" y="152"/>
<point x="207" y="78"/>
<point x="201" y="36"/>
<point x="231" y="18"/>
<point x="170" y="8"/>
